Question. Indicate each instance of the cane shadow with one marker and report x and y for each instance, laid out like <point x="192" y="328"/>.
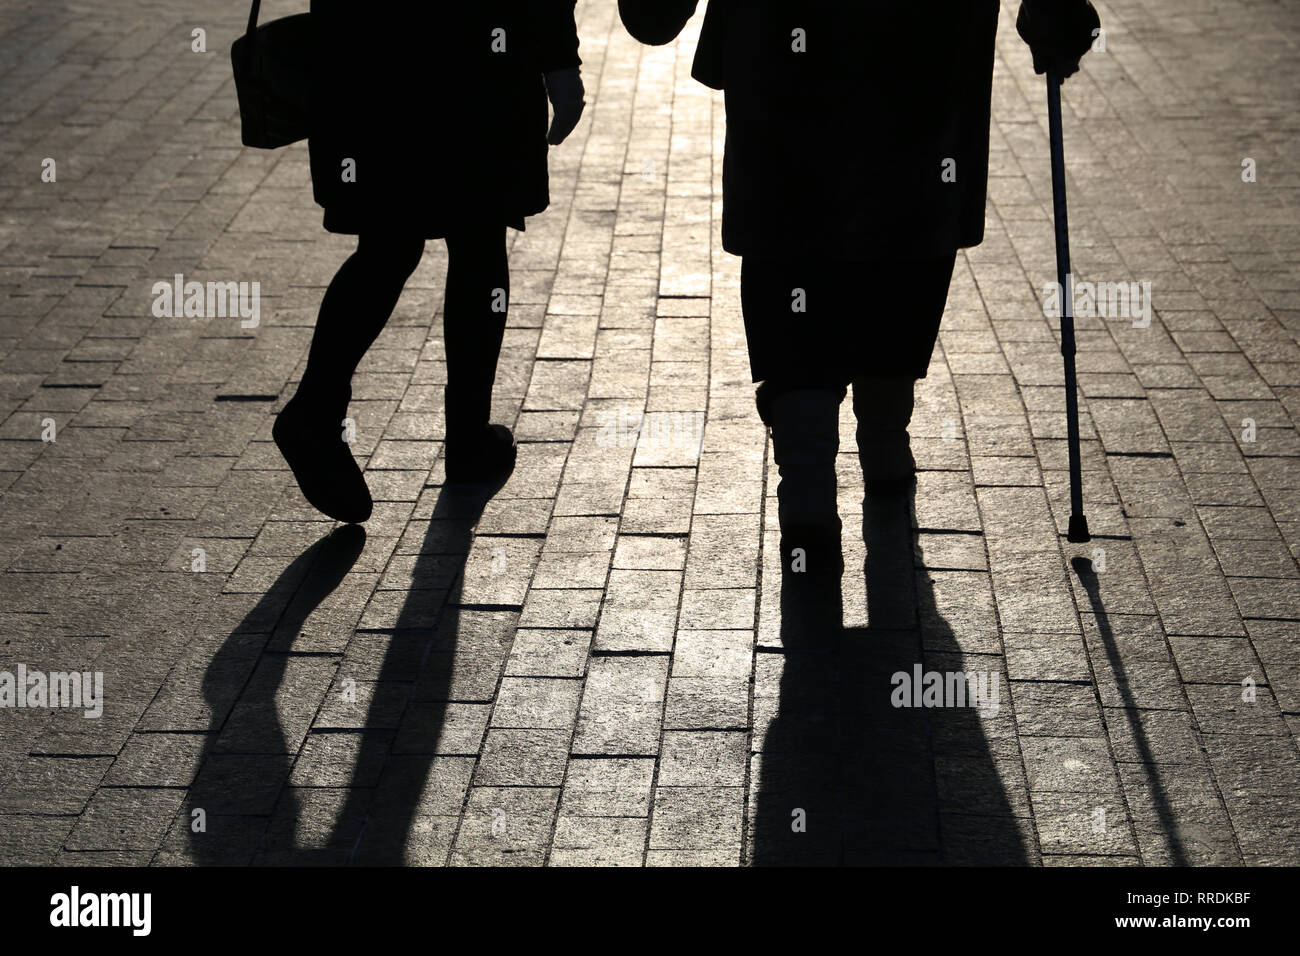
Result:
<point x="402" y="741"/>
<point x="245" y="762"/>
<point x="844" y="776"/>
<point x="1141" y="742"/>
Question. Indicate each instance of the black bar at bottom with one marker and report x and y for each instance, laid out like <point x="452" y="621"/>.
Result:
<point x="332" y="907"/>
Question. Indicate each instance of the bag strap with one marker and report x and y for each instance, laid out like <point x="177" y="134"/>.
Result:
<point x="252" y="18"/>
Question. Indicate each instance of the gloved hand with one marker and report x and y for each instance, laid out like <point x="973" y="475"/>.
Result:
<point x="1059" y="33"/>
<point x="564" y="87"/>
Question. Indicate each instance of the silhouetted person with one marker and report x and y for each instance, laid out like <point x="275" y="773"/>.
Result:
<point x="429" y="121"/>
<point x="855" y="168"/>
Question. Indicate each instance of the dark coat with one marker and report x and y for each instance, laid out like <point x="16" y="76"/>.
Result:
<point x="443" y="128"/>
<point x="840" y="150"/>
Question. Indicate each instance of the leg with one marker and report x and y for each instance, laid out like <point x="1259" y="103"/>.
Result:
<point x="799" y="400"/>
<point x="883" y="391"/>
<point x="474" y="323"/>
<point x="883" y="408"/>
<point x="309" y="430"/>
<point x="805" y="442"/>
<point x="355" y="309"/>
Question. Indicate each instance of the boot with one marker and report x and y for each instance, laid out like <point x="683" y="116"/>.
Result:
<point x="309" y="434"/>
<point x="883" y="407"/>
<point x="475" y="451"/>
<point x="480" y="455"/>
<point x="805" y="440"/>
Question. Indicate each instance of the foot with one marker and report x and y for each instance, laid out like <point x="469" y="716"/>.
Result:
<point x="321" y="463"/>
<point x="488" y="455"/>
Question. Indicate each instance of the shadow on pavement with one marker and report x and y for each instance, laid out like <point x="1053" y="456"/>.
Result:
<point x="391" y="782"/>
<point x="245" y="761"/>
<point x="252" y="814"/>
<point x="844" y="776"/>
<point x="1168" y="825"/>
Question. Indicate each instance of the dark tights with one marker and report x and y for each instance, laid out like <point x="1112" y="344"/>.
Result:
<point x="363" y="293"/>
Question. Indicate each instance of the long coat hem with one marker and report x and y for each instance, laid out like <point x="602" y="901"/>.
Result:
<point x="346" y="223"/>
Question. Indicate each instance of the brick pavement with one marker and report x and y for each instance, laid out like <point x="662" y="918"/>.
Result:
<point x="597" y="664"/>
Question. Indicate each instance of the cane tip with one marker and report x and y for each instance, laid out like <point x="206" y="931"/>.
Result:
<point x="1077" y="533"/>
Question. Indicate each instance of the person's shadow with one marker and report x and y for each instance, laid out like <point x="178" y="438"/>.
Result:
<point x="846" y="777"/>
<point x="245" y="762"/>
<point x="388" y="789"/>
<point x="249" y="812"/>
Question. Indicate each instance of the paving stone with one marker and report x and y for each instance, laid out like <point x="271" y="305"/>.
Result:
<point x="1215" y="660"/>
<point x="1177" y="817"/>
<point x="639" y="611"/>
<point x="1049" y="708"/>
<point x="713" y="654"/>
<point x="534" y="702"/>
<point x="47" y="784"/>
<point x="522" y="758"/>
<point x="622" y="706"/>
<point x="34" y="840"/>
<point x="548" y="653"/>
<point x="505" y="826"/>
<point x="727" y="608"/>
<point x="159" y="760"/>
<point x="1074" y="764"/>
<point x="702" y="758"/>
<point x="1046" y="657"/>
<point x="608" y="787"/>
<point x="598" y="841"/>
<point x="125" y="818"/>
<point x="951" y="552"/>
<point x="707" y="703"/>
<point x="421" y="727"/>
<point x="1083" y="824"/>
<point x="1234" y="709"/>
<point x="680" y="815"/>
<point x="565" y="609"/>
<point x="439" y="783"/>
<point x="467" y="661"/>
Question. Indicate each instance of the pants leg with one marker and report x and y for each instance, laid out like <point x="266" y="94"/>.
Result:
<point x="883" y="388"/>
<point x="355" y="309"/>
<point x="474" y="323"/>
<point x="883" y="408"/>
<point x="883" y="405"/>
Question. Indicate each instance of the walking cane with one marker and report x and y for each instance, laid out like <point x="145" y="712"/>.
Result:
<point x="1078" y="529"/>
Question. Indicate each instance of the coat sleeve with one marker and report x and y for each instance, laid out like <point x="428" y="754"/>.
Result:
<point x="554" y="33"/>
<point x="655" y="22"/>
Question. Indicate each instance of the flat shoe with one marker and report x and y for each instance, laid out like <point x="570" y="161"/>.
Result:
<point x="322" y="464"/>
